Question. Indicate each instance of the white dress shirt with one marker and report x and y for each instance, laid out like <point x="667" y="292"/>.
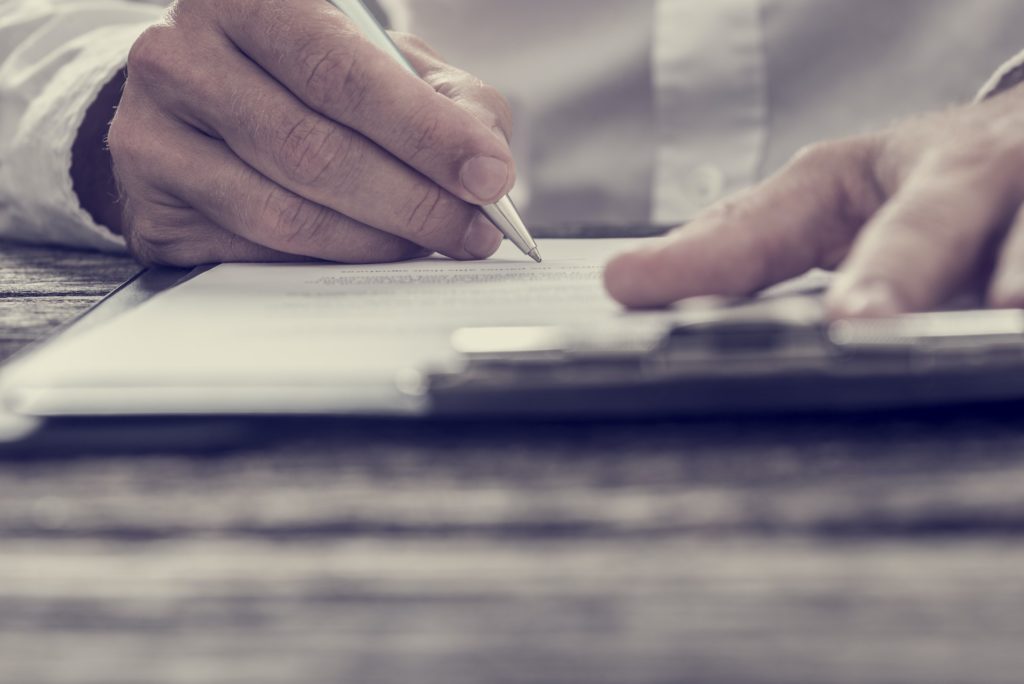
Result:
<point x="628" y="112"/>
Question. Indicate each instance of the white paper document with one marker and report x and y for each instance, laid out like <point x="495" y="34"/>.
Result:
<point x="280" y="338"/>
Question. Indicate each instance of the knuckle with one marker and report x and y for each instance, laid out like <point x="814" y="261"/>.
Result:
<point x="982" y="153"/>
<point x="127" y="140"/>
<point x="976" y="164"/>
<point x="378" y="247"/>
<point x="335" y="79"/>
<point x="150" y="57"/>
<point x="501" y="107"/>
<point x="843" y="175"/>
<point x="485" y="103"/>
<point x="821" y="154"/>
<point x="137" y="159"/>
<point x="119" y="138"/>
<point x="430" y="216"/>
<point x="483" y="100"/>
<point x="838" y="158"/>
<point x="180" y="255"/>
<point x="493" y="100"/>
<point x="425" y="140"/>
<point x="295" y="222"/>
<point x="411" y="41"/>
<point x="147" y="241"/>
<point x="313" y="149"/>
<point x="135" y="230"/>
<point x="157" y="242"/>
<point x="184" y="7"/>
<point x="262" y="15"/>
<point x="398" y="250"/>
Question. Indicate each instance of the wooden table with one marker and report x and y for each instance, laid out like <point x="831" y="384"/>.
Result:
<point x="815" y="549"/>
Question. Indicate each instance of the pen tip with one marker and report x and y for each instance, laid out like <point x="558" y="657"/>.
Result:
<point x="535" y="255"/>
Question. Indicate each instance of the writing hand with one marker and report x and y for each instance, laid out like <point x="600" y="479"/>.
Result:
<point x="272" y="130"/>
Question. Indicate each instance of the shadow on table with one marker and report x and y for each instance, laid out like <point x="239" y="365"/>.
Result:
<point x="939" y="472"/>
<point x="221" y="437"/>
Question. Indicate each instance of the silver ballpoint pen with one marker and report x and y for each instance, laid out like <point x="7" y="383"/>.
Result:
<point x="502" y="213"/>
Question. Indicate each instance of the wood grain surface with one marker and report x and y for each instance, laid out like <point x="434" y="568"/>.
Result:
<point x="41" y="288"/>
<point x="885" y="548"/>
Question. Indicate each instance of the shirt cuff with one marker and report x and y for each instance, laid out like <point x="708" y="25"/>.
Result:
<point x="1008" y="76"/>
<point x="50" y="210"/>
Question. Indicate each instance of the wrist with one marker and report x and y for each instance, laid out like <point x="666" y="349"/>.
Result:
<point x="92" y="170"/>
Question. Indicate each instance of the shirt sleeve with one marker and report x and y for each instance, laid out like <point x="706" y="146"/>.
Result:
<point x="1008" y="76"/>
<point x="55" y="56"/>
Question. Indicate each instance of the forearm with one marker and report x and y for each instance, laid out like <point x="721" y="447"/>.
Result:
<point x="55" y="59"/>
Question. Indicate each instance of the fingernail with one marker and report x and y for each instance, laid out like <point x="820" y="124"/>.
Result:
<point x="485" y="178"/>
<point x="482" y="238"/>
<point x="867" y="301"/>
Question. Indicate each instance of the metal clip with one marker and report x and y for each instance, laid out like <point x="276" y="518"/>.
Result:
<point x="954" y="331"/>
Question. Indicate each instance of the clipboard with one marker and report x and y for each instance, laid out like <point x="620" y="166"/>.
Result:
<point x="771" y="355"/>
<point x="24" y="435"/>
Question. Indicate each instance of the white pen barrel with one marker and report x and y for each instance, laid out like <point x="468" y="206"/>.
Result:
<point x="503" y="213"/>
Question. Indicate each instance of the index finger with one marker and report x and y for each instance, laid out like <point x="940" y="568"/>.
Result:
<point x="321" y="57"/>
<point x="804" y="216"/>
<point x="484" y="102"/>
